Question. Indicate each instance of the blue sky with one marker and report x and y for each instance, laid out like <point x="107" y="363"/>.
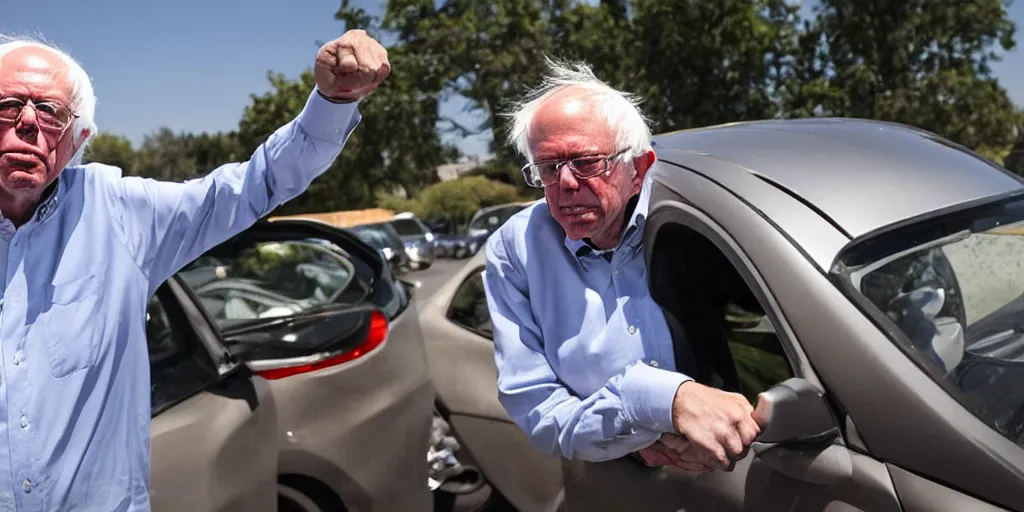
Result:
<point x="192" y="64"/>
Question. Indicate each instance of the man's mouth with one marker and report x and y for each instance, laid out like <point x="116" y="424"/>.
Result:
<point x="21" y="160"/>
<point x="575" y="210"/>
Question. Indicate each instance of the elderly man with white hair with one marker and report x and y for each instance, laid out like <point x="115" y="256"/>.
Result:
<point x="585" y="357"/>
<point x="82" y="249"/>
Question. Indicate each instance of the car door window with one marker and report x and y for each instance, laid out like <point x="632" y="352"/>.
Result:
<point x="469" y="305"/>
<point x="254" y="279"/>
<point x="728" y="333"/>
<point x="179" y="365"/>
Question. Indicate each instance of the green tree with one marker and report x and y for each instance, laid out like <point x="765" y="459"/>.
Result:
<point x="110" y="149"/>
<point x="701" y="63"/>
<point x="456" y="200"/>
<point x="920" y="62"/>
<point x="166" y="155"/>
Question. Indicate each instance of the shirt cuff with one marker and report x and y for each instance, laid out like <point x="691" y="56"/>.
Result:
<point x="331" y="122"/>
<point x="647" y="396"/>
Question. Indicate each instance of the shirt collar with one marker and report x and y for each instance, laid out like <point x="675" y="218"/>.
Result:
<point x="46" y="207"/>
<point x="636" y="211"/>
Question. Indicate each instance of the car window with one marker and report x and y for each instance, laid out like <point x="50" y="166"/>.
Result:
<point x="179" y="366"/>
<point x="954" y="292"/>
<point x="407" y="227"/>
<point x="469" y="306"/>
<point x="253" y="280"/>
<point x="493" y="219"/>
<point x="723" y="333"/>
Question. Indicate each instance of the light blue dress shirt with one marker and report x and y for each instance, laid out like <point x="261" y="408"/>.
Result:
<point x="74" y="388"/>
<point x="584" y="354"/>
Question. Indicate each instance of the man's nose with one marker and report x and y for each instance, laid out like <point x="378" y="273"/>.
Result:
<point x="566" y="180"/>
<point x="27" y="120"/>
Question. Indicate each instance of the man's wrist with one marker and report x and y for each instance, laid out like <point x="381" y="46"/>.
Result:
<point x="648" y="395"/>
<point x="339" y="100"/>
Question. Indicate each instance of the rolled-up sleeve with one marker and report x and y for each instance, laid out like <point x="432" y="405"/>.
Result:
<point x="628" y="413"/>
<point x="166" y="224"/>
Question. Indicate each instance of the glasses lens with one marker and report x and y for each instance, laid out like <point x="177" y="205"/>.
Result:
<point x="9" y="109"/>
<point x="52" y="115"/>
<point x="588" y="167"/>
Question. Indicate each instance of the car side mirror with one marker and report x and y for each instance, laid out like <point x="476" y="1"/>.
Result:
<point x="794" y="411"/>
<point x="329" y="329"/>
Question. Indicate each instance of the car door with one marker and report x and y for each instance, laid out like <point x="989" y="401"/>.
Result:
<point x="717" y="302"/>
<point x="214" y="426"/>
<point x="457" y="331"/>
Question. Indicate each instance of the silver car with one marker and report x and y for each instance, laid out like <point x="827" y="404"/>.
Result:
<point x="288" y="373"/>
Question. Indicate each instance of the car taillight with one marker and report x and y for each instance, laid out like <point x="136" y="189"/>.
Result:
<point x="378" y="332"/>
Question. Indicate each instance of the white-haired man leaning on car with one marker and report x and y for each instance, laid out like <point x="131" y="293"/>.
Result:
<point x="82" y="250"/>
<point x="584" y="355"/>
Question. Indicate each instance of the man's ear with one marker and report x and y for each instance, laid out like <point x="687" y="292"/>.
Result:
<point x="642" y="163"/>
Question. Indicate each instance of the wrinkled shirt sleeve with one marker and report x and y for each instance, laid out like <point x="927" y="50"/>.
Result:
<point x="166" y="224"/>
<point x="629" y="413"/>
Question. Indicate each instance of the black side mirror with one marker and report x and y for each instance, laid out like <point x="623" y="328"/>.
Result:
<point x="794" y="411"/>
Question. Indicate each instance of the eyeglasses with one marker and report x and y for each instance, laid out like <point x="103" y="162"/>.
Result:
<point x="545" y="173"/>
<point x="51" y="115"/>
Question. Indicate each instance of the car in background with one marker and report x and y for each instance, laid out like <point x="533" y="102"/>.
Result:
<point x="288" y="373"/>
<point x="418" y="239"/>
<point x="483" y="223"/>
<point x="384" y="237"/>
<point x="457" y="329"/>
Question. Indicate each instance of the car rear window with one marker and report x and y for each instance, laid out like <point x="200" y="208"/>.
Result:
<point x="407" y="227"/>
<point x="256" y="280"/>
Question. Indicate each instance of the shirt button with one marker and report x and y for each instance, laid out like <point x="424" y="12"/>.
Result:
<point x="27" y="485"/>
<point x="632" y="329"/>
<point x="654" y="363"/>
<point x="18" y="357"/>
<point x="24" y="421"/>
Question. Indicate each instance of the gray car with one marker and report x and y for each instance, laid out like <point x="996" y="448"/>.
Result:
<point x="457" y="329"/>
<point x="863" y="283"/>
<point x="288" y="373"/>
<point x="419" y="240"/>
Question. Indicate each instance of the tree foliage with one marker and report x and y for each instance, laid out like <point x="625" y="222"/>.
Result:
<point x="695" y="63"/>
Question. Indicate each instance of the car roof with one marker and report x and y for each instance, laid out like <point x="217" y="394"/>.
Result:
<point x="861" y="175"/>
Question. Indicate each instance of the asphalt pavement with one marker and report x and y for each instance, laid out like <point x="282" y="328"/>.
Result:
<point x="431" y="280"/>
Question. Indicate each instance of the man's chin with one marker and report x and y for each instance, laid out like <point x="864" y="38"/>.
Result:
<point x="20" y="180"/>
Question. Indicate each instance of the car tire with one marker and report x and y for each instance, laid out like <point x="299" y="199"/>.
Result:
<point x="303" y="494"/>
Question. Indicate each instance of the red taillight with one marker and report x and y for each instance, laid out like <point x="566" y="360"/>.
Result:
<point x="378" y="332"/>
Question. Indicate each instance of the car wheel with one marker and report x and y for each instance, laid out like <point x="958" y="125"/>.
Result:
<point x="304" y="494"/>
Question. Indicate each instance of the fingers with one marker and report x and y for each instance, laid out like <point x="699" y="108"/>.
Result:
<point x="352" y="65"/>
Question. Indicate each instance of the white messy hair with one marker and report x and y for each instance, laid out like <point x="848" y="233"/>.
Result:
<point x="83" y="99"/>
<point x="620" y="109"/>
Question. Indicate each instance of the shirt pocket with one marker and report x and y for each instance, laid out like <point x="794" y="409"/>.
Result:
<point x="70" y="325"/>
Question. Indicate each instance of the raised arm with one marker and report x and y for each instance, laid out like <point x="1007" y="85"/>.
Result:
<point x="165" y="224"/>
<point x="629" y="413"/>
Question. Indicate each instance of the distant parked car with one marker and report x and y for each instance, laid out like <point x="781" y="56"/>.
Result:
<point x="483" y="223"/>
<point x="418" y="239"/>
<point x="384" y="237"/>
<point x="288" y="373"/>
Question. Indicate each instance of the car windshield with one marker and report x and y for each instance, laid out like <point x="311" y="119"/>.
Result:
<point x="493" y="219"/>
<point x="407" y="227"/>
<point x="255" y="280"/>
<point x="953" y="288"/>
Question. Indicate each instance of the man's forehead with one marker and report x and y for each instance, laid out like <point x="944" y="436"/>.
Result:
<point x="41" y="69"/>
<point x="571" y="121"/>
